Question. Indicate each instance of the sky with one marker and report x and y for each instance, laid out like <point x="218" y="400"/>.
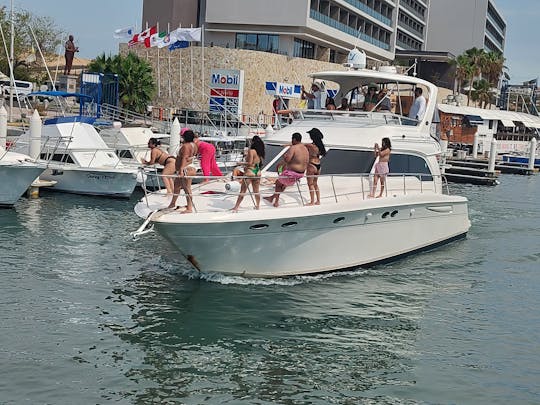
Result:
<point x="93" y="22"/>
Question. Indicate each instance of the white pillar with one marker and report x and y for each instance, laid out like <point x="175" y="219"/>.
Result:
<point x="492" y="156"/>
<point x="35" y="136"/>
<point x="475" y="146"/>
<point x="532" y="153"/>
<point x="174" y="140"/>
<point x="3" y="126"/>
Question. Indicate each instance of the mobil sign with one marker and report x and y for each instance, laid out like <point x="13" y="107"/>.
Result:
<point x="226" y="90"/>
<point x="226" y="79"/>
<point x="283" y="90"/>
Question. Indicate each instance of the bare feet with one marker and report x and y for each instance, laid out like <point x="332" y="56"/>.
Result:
<point x="186" y="211"/>
<point x="276" y="204"/>
<point x="379" y="196"/>
<point x="235" y="209"/>
<point x="318" y="203"/>
<point x="269" y="199"/>
<point x="310" y="204"/>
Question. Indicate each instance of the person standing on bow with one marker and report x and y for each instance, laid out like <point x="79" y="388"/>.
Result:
<point x="207" y="152"/>
<point x="163" y="158"/>
<point x="381" y="167"/>
<point x="252" y="172"/>
<point x="185" y="170"/>
<point x="316" y="150"/>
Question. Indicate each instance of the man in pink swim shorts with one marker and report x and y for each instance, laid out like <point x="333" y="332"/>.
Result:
<point x="296" y="160"/>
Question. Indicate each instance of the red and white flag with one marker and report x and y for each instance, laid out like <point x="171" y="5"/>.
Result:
<point x="140" y="37"/>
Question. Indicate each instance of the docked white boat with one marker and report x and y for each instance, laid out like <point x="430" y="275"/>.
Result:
<point x="348" y="229"/>
<point x="79" y="161"/>
<point x="17" y="173"/>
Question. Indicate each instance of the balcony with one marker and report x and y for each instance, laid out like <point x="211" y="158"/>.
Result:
<point x="348" y="30"/>
<point x="368" y="10"/>
<point x="411" y="30"/>
<point x="413" y="11"/>
<point x="495" y="41"/>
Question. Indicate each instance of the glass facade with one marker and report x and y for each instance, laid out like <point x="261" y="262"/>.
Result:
<point x="304" y="49"/>
<point x="258" y="42"/>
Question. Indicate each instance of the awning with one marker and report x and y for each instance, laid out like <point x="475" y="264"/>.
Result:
<point x="508" y="123"/>
<point x="473" y="120"/>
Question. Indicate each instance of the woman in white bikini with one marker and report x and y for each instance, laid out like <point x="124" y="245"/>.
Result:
<point x="381" y="167"/>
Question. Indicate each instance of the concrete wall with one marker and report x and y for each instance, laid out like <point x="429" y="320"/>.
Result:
<point x="258" y="12"/>
<point x="456" y="25"/>
<point x="258" y="67"/>
<point x="172" y="12"/>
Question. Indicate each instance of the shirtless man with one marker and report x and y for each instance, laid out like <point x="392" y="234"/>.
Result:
<point x="184" y="168"/>
<point x="296" y="160"/>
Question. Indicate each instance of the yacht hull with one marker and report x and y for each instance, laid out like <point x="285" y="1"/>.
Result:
<point x="15" y="181"/>
<point x="314" y="243"/>
<point x="92" y="181"/>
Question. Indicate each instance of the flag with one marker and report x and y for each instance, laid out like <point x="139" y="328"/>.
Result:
<point x="165" y="41"/>
<point x="154" y="40"/>
<point x="124" y="33"/>
<point x="187" y="34"/>
<point x="178" y="45"/>
<point x="147" y="33"/>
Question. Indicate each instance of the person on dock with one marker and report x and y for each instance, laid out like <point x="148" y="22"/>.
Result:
<point x="296" y="162"/>
<point x="163" y="158"/>
<point x="252" y="172"/>
<point x="316" y="150"/>
<point x="69" y="54"/>
<point x="207" y="152"/>
<point x="185" y="169"/>
<point x="381" y="167"/>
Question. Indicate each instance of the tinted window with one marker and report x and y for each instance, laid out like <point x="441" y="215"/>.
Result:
<point x="347" y="161"/>
<point x="271" y="151"/>
<point x="409" y="164"/>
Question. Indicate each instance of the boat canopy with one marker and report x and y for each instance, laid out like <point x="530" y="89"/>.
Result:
<point x="508" y="123"/>
<point x="473" y="120"/>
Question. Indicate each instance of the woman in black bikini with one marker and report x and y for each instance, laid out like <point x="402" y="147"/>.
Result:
<point x="253" y="164"/>
<point x="316" y="151"/>
<point x="157" y="156"/>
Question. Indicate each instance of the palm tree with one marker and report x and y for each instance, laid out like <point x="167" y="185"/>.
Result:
<point x="477" y="61"/>
<point x="463" y="70"/>
<point x="136" y="81"/>
<point x="482" y="92"/>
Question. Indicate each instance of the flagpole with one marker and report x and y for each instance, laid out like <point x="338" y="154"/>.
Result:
<point x="158" y="66"/>
<point x="202" y="65"/>
<point x="169" y="65"/>
<point x="11" y="61"/>
<point x="191" y="62"/>
<point x="180" y="70"/>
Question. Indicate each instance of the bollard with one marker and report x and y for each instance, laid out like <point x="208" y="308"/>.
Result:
<point x="475" y="146"/>
<point x="532" y="153"/>
<point x="3" y="127"/>
<point x="492" y="156"/>
<point x="174" y="141"/>
<point x="35" y="136"/>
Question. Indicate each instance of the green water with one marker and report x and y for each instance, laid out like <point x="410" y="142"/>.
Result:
<point x="90" y="316"/>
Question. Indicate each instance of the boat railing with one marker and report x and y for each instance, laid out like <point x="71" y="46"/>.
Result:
<point x="369" y="117"/>
<point x="342" y="187"/>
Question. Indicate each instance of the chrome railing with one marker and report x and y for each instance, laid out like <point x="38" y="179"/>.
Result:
<point x="336" y="188"/>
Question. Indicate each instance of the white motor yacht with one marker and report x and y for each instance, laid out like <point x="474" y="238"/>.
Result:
<point x="17" y="173"/>
<point x="348" y="229"/>
<point x="79" y="161"/>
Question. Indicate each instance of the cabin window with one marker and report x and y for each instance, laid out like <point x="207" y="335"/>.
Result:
<point x="124" y="154"/>
<point x="338" y="161"/>
<point x="271" y="151"/>
<point x="57" y="157"/>
<point x="410" y="164"/>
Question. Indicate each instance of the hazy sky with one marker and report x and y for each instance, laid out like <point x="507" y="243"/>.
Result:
<point x="93" y="22"/>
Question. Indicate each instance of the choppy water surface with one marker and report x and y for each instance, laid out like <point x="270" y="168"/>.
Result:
<point x="89" y="316"/>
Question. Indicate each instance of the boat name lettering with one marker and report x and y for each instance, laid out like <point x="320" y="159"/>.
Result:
<point x="100" y="176"/>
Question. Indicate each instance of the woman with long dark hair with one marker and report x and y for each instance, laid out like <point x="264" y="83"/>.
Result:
<point x="252" y="172"/>
<point x="163" y="158"/>
<point x="381" y="167"/>
<point x="316" y="150"/>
